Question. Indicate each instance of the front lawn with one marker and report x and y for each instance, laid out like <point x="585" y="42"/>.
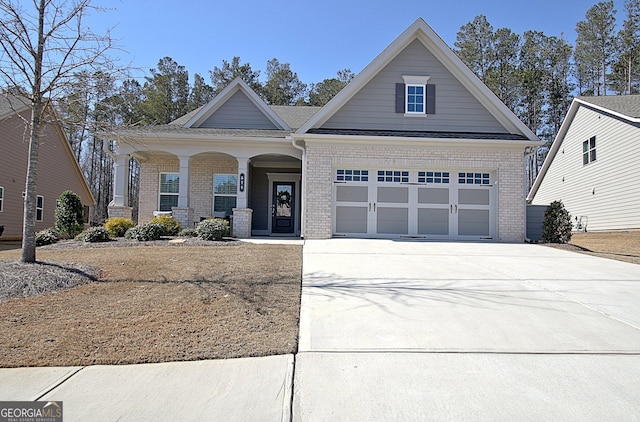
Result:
<point x="156" y="303"/>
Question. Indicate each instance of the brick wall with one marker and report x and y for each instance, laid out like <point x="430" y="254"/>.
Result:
<point x="324" y="157"/>
<point x="149" y="179"/>
<point x="201" y="171"/>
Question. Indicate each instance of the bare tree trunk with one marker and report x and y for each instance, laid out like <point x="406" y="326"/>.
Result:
<point x="629" y="77"/>
<point x="30" y="197"/>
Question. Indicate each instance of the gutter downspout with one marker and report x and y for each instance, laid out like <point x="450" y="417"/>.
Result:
<point x="529" y="151"/>
<point x="303" y="187"/>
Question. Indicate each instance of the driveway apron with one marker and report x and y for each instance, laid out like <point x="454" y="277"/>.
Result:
<point x="407" y="330"/>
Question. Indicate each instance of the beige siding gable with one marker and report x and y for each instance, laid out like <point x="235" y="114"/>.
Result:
<point x="373" y="107"/>
<point x="238" y="112"/>
<point x="57" y="172"/>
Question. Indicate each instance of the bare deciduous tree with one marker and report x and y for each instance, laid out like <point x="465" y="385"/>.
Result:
<point x="43" y="44"/>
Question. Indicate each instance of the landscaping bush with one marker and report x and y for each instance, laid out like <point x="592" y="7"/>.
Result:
<point x="145" y="232"/>
<point x="118" y="226"/>
<point x="46" y="237"/>
<point x="94" y="234"/>
<point x="68" y="213"/>
<point x="188" y="233"/>
<point x="556" y="227"/>
<point x="170" y="224"/>
<point x="213" y="229"/>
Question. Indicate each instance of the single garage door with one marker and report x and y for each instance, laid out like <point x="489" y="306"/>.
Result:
<point x="433" y="204"/>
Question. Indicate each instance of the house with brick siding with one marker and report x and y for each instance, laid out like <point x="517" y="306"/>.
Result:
<point x="58" y="169"/>
<point x="415" y="146"/>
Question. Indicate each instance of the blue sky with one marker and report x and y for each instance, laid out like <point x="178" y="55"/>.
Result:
<point x="317" y="38"/>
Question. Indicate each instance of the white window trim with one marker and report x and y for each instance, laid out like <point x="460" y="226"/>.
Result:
<point x="589" y="150"/>
<point x="41" y="209"/>
<point x="160" y="193"/>
<point x="413" y="80"/>
<point x="234" y="195"/>
<point x="1" y="198"/>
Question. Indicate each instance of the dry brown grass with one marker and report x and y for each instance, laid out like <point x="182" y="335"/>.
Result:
<point x="157" y="304"/>
<point x="618" y="245"/>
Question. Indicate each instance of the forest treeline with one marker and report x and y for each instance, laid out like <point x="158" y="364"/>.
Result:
<point x="536" y="75"/>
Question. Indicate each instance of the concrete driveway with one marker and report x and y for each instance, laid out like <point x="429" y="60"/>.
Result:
<point x="402" y="330"/>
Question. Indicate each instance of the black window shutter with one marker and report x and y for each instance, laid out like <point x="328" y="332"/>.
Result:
<point x="399" y="98"/>
<point x="431" y="99"/>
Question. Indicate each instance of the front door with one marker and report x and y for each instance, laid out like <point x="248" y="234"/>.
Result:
<point x="283" y="207"/>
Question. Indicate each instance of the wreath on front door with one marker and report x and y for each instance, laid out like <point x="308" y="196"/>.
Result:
<point x="284" y="198"/>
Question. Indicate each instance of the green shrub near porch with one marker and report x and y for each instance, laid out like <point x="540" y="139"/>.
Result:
<point x="170" y="224"/>
<point x="118" y="226"/>
<point x="213" y="229"/>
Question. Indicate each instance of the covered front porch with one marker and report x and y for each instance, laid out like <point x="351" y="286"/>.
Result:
<point x="259" y="192"/>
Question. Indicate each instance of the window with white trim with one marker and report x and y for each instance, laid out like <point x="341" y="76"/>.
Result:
<point x="589" y="151"/>
<point x="169" y="191"/>
<point x="39" y="208"/>
<point x="225" y="191"/>
<point x="415" y="99"/>
<point x="1" y="198"/>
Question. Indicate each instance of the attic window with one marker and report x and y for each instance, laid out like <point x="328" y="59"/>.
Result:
<point x="415" y="97"/>
<point x="589" y="151"/>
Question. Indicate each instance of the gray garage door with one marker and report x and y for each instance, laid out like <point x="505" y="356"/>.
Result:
<point x="414" y="203"/>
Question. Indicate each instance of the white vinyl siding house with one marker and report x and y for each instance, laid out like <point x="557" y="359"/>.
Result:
<point x="592" y="164"/>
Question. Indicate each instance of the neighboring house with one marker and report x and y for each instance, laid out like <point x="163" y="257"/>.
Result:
<point x="58" y="169"/>
<point x="415" y="146"/>
<point x="592" y="164"/>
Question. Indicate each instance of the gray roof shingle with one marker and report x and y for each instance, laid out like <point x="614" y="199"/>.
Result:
<point x="294" y="116"/>
<point x="628" y="105"/>
<point x="9" y="104"/>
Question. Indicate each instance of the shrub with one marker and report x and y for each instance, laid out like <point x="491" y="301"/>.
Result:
<point x="69" y="220"/>
<point x="46" y="237"/>
<point x="170" y="224"/>
<point x="556" y="227"/>
<point x="145" y="232"/>
<point x="94" y="234"/>
<point x="118" y="226"/>
<point x="188" y="233"/>
<point x="213" y="229"/>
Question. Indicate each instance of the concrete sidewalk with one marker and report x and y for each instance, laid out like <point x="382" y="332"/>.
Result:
<point x="250" y="389"/>
<point x="465" y="331"/>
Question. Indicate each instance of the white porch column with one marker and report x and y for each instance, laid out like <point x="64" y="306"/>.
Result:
<point x="183" y="196"/>
<point x="120" y="181"/>
<point x="243" y="182"/>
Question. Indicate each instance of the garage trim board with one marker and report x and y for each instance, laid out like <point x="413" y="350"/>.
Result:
<point x="441" y="204"/>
